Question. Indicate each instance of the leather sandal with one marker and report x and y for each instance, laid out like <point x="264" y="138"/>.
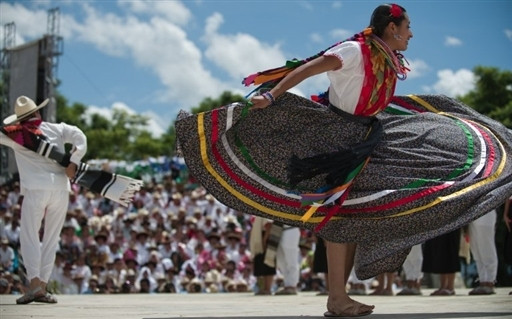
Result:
<point x="351" y="311"/>
<point x="482" y="290"/>
<point x="46" y="298"/>
<point x="443" y="292"/>
<point x="29" y="296"/>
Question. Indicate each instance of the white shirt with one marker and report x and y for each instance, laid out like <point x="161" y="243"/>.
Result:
<point x="38" y="172"/>
<point x="347" y="81"/>
<point x="6" y="256"/>
<point x="13" y="234"/>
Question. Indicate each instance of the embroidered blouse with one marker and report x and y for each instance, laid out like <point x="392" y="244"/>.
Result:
<point x="366" y="81"/>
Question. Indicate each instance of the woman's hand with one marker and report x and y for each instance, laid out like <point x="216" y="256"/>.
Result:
<point x="259" y="102"/>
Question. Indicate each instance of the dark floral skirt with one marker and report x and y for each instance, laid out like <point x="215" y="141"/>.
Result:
<point x="438" y="166"/>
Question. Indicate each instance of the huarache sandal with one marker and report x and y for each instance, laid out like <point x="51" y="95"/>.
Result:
<point x="409" y="292"/>
<point x="349" y="312"/>
<point x="46" y="298"/>
<point x="285" y="291"/>
<point x="28" y="297"/>
<point x="443" y="292"/>
<point x="482" y="290"/>
<point x="436" y="292"/>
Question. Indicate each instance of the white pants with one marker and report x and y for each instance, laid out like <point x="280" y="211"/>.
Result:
<point x="287" y="256"/>
<point x="412" y="264"/>
<point x="483" y="246"/>
<point x="39" y="257"/>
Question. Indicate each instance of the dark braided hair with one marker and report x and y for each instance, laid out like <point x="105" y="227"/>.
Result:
<point x="381" y="17"/>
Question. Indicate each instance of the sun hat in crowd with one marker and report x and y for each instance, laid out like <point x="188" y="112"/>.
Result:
<point x="23" y="108"/>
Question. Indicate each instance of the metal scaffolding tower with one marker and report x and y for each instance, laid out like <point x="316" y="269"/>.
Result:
<point x="50" y="50"/>
<point x="5" y="69"/>
<point x="5" y="65"/>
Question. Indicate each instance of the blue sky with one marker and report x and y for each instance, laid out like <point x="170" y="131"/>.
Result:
<point x="156" y="57"/>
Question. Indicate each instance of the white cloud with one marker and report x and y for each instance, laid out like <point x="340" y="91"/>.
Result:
<point x="155" y="125"/>
<point x="427" y="89"/>
<point x="173" y="11"/>
<point x="28" y="22"/>
<point x="306" y="5"/>
<point x="337" y="4"/>
<point x="316" y="37"/>
<point x="418" y="68"/>
<point x="508" y="34"/>
<point x="455" y="83"/>
<point x="450" y="41"/>
<point x="105" y="31"/>
<point x="156" y="44"/>
<point x="239" y="54"/>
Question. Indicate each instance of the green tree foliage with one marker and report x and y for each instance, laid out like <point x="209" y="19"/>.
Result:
<point x="72" y="115"/>
<point x="168" y="140"/>
<point x="121" y="138"/>
<point x="492" y="95"/>
<point x="209" y="103"/>
<point x="99" y="122"/>
<point x="144" y="143"/>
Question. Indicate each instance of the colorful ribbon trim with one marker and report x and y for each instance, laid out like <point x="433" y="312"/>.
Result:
<point x="294" y="201"/>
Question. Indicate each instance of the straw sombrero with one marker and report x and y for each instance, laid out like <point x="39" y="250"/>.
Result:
<point x="23" y="108"/>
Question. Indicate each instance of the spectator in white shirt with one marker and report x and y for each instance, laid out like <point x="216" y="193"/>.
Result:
<point x="6" y="255"/>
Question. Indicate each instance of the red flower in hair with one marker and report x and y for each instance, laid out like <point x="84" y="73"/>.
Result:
<point x="395" y="11"/>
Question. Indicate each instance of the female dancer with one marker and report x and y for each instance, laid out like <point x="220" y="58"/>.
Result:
<point x="371" y="174"/>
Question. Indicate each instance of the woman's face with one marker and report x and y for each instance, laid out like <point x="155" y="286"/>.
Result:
<point x="401" y="35"/>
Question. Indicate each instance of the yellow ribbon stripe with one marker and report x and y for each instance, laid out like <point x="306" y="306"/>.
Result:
<point x="423" y="103"/>
<point x="307" y="216"/>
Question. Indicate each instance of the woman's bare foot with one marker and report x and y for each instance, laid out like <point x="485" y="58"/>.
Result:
<point x="347" y="307"/>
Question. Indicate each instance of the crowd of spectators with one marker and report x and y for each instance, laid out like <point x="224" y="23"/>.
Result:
<point x="173" y="238"/>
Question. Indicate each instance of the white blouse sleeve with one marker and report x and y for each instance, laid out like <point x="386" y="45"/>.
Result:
<point x="348" y="52"/>
<point x="347" y="81"/>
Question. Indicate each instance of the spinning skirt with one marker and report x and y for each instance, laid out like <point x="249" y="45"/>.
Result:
<point x="438" y="166"/>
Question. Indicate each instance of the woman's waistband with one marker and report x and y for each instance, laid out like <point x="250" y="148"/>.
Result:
<point x="365" y="120"/>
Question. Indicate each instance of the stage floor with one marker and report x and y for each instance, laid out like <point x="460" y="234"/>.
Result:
<point x="247" y="305"/>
